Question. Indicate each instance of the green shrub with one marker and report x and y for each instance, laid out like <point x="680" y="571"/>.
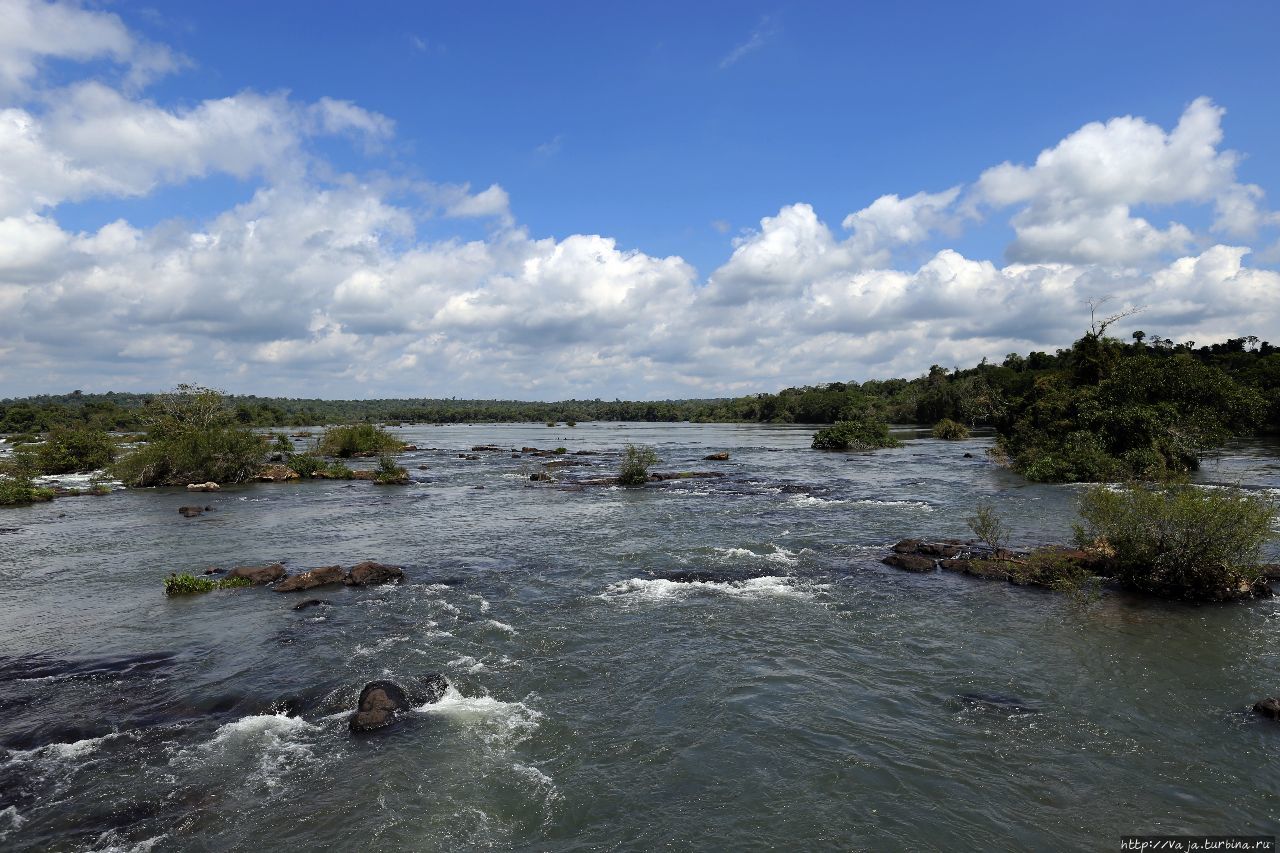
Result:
<point x="305" y="464"/>
<point x="282" y="444"/>
<point x="1051" y="568"/>
<point x="338" y="471"/>
<point x="68" y="450"/>
<point x="987" y="525"/>
<point x="185" y="584"/>
<point x="866" y="432"/>
<point x="389" y="473"/>
<point x="635" y="465"/>
<point x="354" y="439"/>
<point x="560" y="451"/>
<point x="1179" y="541"/>
<point x="192" y="437"/>
<point x="949" y="430"/>
<point x="16" y="489"/>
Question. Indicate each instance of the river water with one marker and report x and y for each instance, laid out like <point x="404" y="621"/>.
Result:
<point x="818" y="705"/>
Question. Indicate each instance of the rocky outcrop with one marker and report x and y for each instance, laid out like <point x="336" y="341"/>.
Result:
<point x="370" y="573"/>
<point x="658" y="477"/>
<point x="434" y="686"/>
<point x="1269" y="707"/>
<point x="203" y="487"/>
<point x="716" y="457"/>
<point x="277" y="474"/>
<point x="380" y="703"/>
<point x="911" y="562"/>
<point x="310" y="579"/>
<point x="705" y="576"/>
<point x="258" y="575"/>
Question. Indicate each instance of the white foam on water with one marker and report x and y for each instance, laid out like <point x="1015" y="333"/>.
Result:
<point x="777" y="554"/>
<point x="274" y="739"/>
<point x="468" y="663"/>
<point x="494" y="721"/>
<point x="64" y="751"/>
<point x="137" y="847"/>
<point x="659" y="590"/>
<point x="380" y="645"/>
<point x="484" y="603"/>
<point x="812" y="501"/>
<point x="920" y="505"/>
<point x="10" y="821"/>
<point x="501" y="626"/>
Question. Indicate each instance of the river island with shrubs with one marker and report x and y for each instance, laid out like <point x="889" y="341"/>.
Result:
<point x="1135" y="417"/>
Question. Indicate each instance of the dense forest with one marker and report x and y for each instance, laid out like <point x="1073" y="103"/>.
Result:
<point x="1101" y="408"/>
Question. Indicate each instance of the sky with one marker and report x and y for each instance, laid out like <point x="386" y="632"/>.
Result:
<point x="645" y="201"/>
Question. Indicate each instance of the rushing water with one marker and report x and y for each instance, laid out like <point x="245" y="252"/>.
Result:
<point x="819" y="705"/>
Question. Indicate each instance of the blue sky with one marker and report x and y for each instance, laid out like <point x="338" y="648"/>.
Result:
<point x="670" y="131"/>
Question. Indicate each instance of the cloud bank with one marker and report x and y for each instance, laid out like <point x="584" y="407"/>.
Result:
<point x="318" y="283"/>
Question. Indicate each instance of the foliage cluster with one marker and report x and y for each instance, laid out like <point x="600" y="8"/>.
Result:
<point x="389" y="473"/>
<point x="192" y="438"/>
<point x="636" y="462"/>
<point x="1179" y="541"/>
<point x="186" y="584"/>
<point x="74" y="449"/>
<point x="949" y="430"/>
<point x="355" y="439"/>
<point x="16" y="489"/>
<point x="864" y="431"/>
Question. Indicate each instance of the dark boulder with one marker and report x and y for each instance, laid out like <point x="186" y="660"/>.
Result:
<point x="311" y="602"/>
<point x="370" y="573"/>
<point x="434" y="686"/>
<point x="910" y="562"/>
<point x="257" y="575"/>
<point x="310" y="579"/>
<point x="539" y="476"/>
<point x="190" y="511"/>
<point x="705" y="576"/>
<point x="939" y="549"/>
<point x="380" y="703"/>
<point x="716" y="457"/>
<point x="1269" y="707"/>
<point x="907" y="546"/>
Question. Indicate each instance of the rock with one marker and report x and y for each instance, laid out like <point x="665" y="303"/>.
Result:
<point x="986" y="569"/>
<point x="422" y="467"/>
<point x="968" y="456"/>
<point x="1269" y="707"/>
<point x="539" y="476"/>
<point x="277" y="474"/>
<point x="190" y="511"/>
<point x="528" y="450"/>
<point x="490" y="448"/>
<point x="910" y="562"/>
<point x="716" y="457"/>
<point x="434" y="686"/>
<point x="705" y="576"/>
<point x="684" y="475"/>
<point x="364" y="475"/>
<point x="257" y="575"/>
<point x="1271" y="571"/>
<point x="203" y="487"/>
<point x="906" y="546"/>
<point x="938" y="549"/>
<point x="311" y="602"/>
<point x="370" y="573"/>
<point x="214" y="570"/>
<point x="408" y="447"/>
<point x="310" y="579"/>
<point x="380" y="703"/>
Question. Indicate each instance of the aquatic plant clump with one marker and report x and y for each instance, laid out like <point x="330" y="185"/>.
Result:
<point x="388" y="473"/>
<point x="68" y="450"/>
<point x="1179" y="541"/>
<point x="187" y="584"/>
<point x="357" y="440"/>
<point x="949" y="430"/>
<point x="867" y="432"/>
<point x="18" y="490"/>
<point x="635" y="465"/>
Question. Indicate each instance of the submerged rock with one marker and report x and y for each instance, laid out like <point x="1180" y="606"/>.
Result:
<point x="705" y="576"/>
<point x="716" y="457"/>
<point x="258" y="575"/>
<point x="684" y="475"/>
<point x="311" y="602"/>
<point x="1269" y="707"/>
<point x="380" y="703"/>
<point x="310" y="579"/>
<point x="369" y="573"/>
<point x="910" y="562"/>
<point x="539" y="476"/>
<point x="190" y="511"/>
<point x="434" y="686"/>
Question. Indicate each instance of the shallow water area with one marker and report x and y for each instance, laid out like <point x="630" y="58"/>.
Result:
<point x="812" y="698"/>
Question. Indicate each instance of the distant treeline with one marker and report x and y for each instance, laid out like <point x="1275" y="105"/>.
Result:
<point x="986" y="394"/>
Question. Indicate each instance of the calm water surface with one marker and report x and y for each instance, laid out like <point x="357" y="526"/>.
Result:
<point x="814" y="707"/>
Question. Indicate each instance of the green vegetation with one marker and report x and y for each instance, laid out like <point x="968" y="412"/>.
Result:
<point x="1178" y="541"/>
<point x="389" y="473"/>
<point x="949" y="430"/>
<point x="356" y="440"/>
<point x="77" y="449"/>
<point x="339" y="471"/>
<point x="305" y="464"/>
<point x="987" y="525"/>
<point x="866" y="432"/>
<point x="191" y="438"/>
<point x="16" y="489"/>
<point x="185" y="584"/>
<point x="635" y="465"/>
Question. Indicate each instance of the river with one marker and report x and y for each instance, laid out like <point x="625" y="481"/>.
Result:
<point x="831" y="703"/>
